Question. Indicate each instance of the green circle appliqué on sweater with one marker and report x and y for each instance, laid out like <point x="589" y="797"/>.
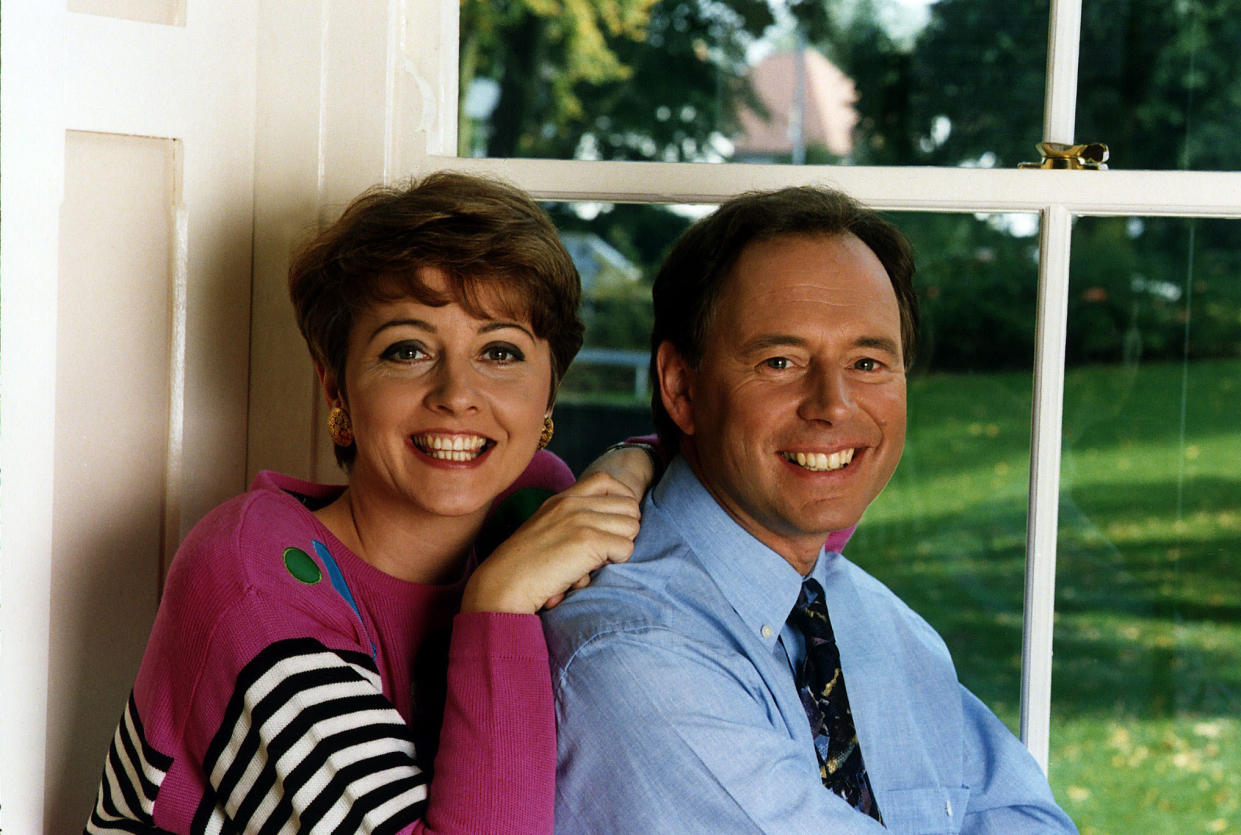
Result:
<point x="303" y="568"/>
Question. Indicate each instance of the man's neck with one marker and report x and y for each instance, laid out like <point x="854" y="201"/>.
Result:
<point x="800" y="552"/>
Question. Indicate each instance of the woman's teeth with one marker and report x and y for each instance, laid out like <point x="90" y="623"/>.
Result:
<point x="451" y="447"/>
<point x="820" y="462"/>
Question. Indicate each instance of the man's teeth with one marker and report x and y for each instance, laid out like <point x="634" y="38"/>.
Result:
<point x="820" y="462"/>
<point x="451" y="447"/>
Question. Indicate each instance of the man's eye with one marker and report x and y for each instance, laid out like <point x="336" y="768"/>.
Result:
<point x="503" y="353"/>
<point x="866" y="364"/>
<point x="404" y="352"/>
<point x="777" y="363"/>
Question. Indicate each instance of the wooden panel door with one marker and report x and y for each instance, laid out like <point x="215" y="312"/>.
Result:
<point x="128" y="177"/>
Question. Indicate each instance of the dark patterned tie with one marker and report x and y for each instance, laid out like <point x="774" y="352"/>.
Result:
<point x="821" y="683"/>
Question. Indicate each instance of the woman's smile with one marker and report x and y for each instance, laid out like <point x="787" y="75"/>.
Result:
<point x="457" y="449"/>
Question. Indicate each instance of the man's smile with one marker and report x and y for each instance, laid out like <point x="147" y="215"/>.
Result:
<point x="819" y="462"/>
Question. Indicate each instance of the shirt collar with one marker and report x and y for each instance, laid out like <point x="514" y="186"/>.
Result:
<point x="760" y="584"/>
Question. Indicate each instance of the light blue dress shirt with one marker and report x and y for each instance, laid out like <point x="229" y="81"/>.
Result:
<point x="677" y="710"/>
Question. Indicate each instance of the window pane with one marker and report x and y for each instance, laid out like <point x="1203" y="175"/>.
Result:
<point x="954" y="82"/>
<point x="1147" y="679"/>
<point x="1159" y="82"/>
<point x="605" y="396"/>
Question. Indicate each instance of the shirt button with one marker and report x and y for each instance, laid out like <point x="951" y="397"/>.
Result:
<point x="767" y="631"/>
<point x="948" y="808"/>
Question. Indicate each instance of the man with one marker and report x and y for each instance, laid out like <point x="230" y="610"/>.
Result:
<point x="700" y="687"/>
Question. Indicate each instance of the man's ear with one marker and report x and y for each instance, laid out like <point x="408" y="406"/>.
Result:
<point x="676" y="383"/>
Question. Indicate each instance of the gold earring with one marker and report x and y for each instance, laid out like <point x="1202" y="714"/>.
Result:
<point x="340" y="427"/>
<point x="545" y="437"/>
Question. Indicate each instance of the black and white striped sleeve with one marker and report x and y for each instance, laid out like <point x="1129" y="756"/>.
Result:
<point x="132" y="775"/>
<point x="308" y="742"/>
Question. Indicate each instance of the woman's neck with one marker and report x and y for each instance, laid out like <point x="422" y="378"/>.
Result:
<point x="406" y="543"/>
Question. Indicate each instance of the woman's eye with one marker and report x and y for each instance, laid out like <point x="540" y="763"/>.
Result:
<point x="404" y="352"/>
<point x="503" y="353"/>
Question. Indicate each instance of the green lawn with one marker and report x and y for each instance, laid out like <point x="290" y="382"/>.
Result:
<point x="1146" y="724"/>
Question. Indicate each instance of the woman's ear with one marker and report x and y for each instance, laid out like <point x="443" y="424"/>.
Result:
<point x="676" y="384"/>
<point x="331" y="389"/>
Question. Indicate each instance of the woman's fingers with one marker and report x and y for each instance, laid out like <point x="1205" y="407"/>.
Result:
<point x="602" y="483"/>
<point x="631" y="467"/>
<point x="573" y="534"/>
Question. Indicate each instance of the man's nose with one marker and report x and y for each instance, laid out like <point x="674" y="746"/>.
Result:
<point x="453" y="388"/>
<point x="828" y="396"/>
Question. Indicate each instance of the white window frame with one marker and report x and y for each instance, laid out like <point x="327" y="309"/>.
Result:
<point x="1058" y="196"/>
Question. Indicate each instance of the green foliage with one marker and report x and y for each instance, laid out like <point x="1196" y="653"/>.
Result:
<point x="977" y="286"/>
<point x="657" y="87"/>
<point x="981" y="65"/>
<point x="1155" y="289"/>
<point x="516" y="42"/>
<point x="1163" y="82"/>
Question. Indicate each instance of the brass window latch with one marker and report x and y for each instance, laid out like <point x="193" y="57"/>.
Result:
<point x="1089" y="157"/>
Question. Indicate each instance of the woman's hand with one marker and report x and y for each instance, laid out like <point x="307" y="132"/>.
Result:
<point x="632" y="465"/>
<point x="574" y="533"/>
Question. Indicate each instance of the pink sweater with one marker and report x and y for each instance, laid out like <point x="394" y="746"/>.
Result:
<point x="286" y="680"/>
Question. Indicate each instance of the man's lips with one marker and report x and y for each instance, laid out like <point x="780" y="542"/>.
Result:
<point x="820" y="462"/>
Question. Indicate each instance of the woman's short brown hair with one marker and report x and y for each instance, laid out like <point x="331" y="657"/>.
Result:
<point x="489" y="238"/>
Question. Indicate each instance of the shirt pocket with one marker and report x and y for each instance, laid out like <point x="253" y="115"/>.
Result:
<point x="924" y="811"/>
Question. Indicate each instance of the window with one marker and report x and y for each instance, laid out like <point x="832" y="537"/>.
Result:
<point x="1103" y="455"/>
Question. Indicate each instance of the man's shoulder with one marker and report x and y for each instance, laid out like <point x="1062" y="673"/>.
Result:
<point x="876" y="600"/>
<point x="628" y="598"/>
<point x="663" y="588"/>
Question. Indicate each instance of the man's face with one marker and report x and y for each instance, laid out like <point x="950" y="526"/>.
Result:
<point x="795" y="418"/>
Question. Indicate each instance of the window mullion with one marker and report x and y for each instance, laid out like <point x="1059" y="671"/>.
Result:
<point x="1050" y="330"/>
<point x="1063" y="46"/>
<point x="1059" y="117"/>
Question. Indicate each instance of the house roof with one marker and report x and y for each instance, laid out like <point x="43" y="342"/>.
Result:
<point x="828" y="112"/>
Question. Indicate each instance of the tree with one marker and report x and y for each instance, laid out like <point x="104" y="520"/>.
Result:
<point x="616" y="79"/>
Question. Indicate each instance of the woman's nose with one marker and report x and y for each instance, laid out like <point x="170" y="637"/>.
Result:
<point x="452" y="390"/>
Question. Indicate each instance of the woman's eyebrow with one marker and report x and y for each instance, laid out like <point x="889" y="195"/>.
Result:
<point x="503" y="325"/>
<point x="397" y="323"/>
<point x="423" y="325"/>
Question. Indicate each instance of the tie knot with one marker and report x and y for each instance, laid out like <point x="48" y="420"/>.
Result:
<point x="810" y="611"/>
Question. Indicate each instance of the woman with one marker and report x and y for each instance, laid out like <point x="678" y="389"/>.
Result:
<point x="300" y="675"/>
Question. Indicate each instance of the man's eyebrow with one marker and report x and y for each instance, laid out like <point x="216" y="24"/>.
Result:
<point x="780" y="340"/>
<point x="773" y="340"/>
<point x="879" y="343"/>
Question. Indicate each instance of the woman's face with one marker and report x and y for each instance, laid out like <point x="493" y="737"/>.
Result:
<point x="446" y="408"/>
